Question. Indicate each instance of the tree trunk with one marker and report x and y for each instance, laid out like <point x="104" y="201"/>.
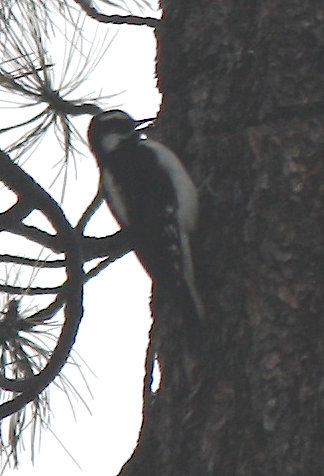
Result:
<point x="244" y="109"/>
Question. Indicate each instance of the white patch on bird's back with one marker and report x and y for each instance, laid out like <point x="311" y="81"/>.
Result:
<point x="185" y="189"/>
<point x="114" y="198"/>
<point x="187" y="211"/>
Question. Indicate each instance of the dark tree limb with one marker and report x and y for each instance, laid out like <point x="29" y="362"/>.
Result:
<point x="116" y="19"/>
<point x="27" y="188"/>
<point x="77" y="250"/>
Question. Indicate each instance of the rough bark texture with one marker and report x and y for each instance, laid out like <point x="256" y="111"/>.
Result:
<point x="244" y="107"/>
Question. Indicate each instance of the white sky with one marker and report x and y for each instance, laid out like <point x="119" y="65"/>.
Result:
<point x="113" y="333"/>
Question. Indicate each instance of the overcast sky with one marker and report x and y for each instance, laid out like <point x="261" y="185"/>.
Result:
<point x="113" y="334"/>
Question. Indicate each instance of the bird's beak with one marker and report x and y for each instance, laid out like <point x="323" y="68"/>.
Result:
<point x="143" y="122"/>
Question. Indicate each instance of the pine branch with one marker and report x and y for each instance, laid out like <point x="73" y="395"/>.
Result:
<point x="117" y="19"/>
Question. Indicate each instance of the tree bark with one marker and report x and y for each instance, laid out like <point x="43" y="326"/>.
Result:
<point x="244" y="109"/>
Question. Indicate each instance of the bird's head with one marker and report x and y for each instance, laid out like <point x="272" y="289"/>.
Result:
<point x="111" y="130"/>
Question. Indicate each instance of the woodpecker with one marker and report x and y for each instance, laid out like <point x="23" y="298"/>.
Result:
<point x="150" y="194"/>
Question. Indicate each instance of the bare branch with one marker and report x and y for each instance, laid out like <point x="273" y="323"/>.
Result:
<point x="6" y="288"/>
<point x="18" y="180"/>
<point x="35" y="263"/>
<point x="115" y="246"/>
<point x="88" y="213"/>
<point x="69" y="241"/>
<point x="117" y="19"/>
